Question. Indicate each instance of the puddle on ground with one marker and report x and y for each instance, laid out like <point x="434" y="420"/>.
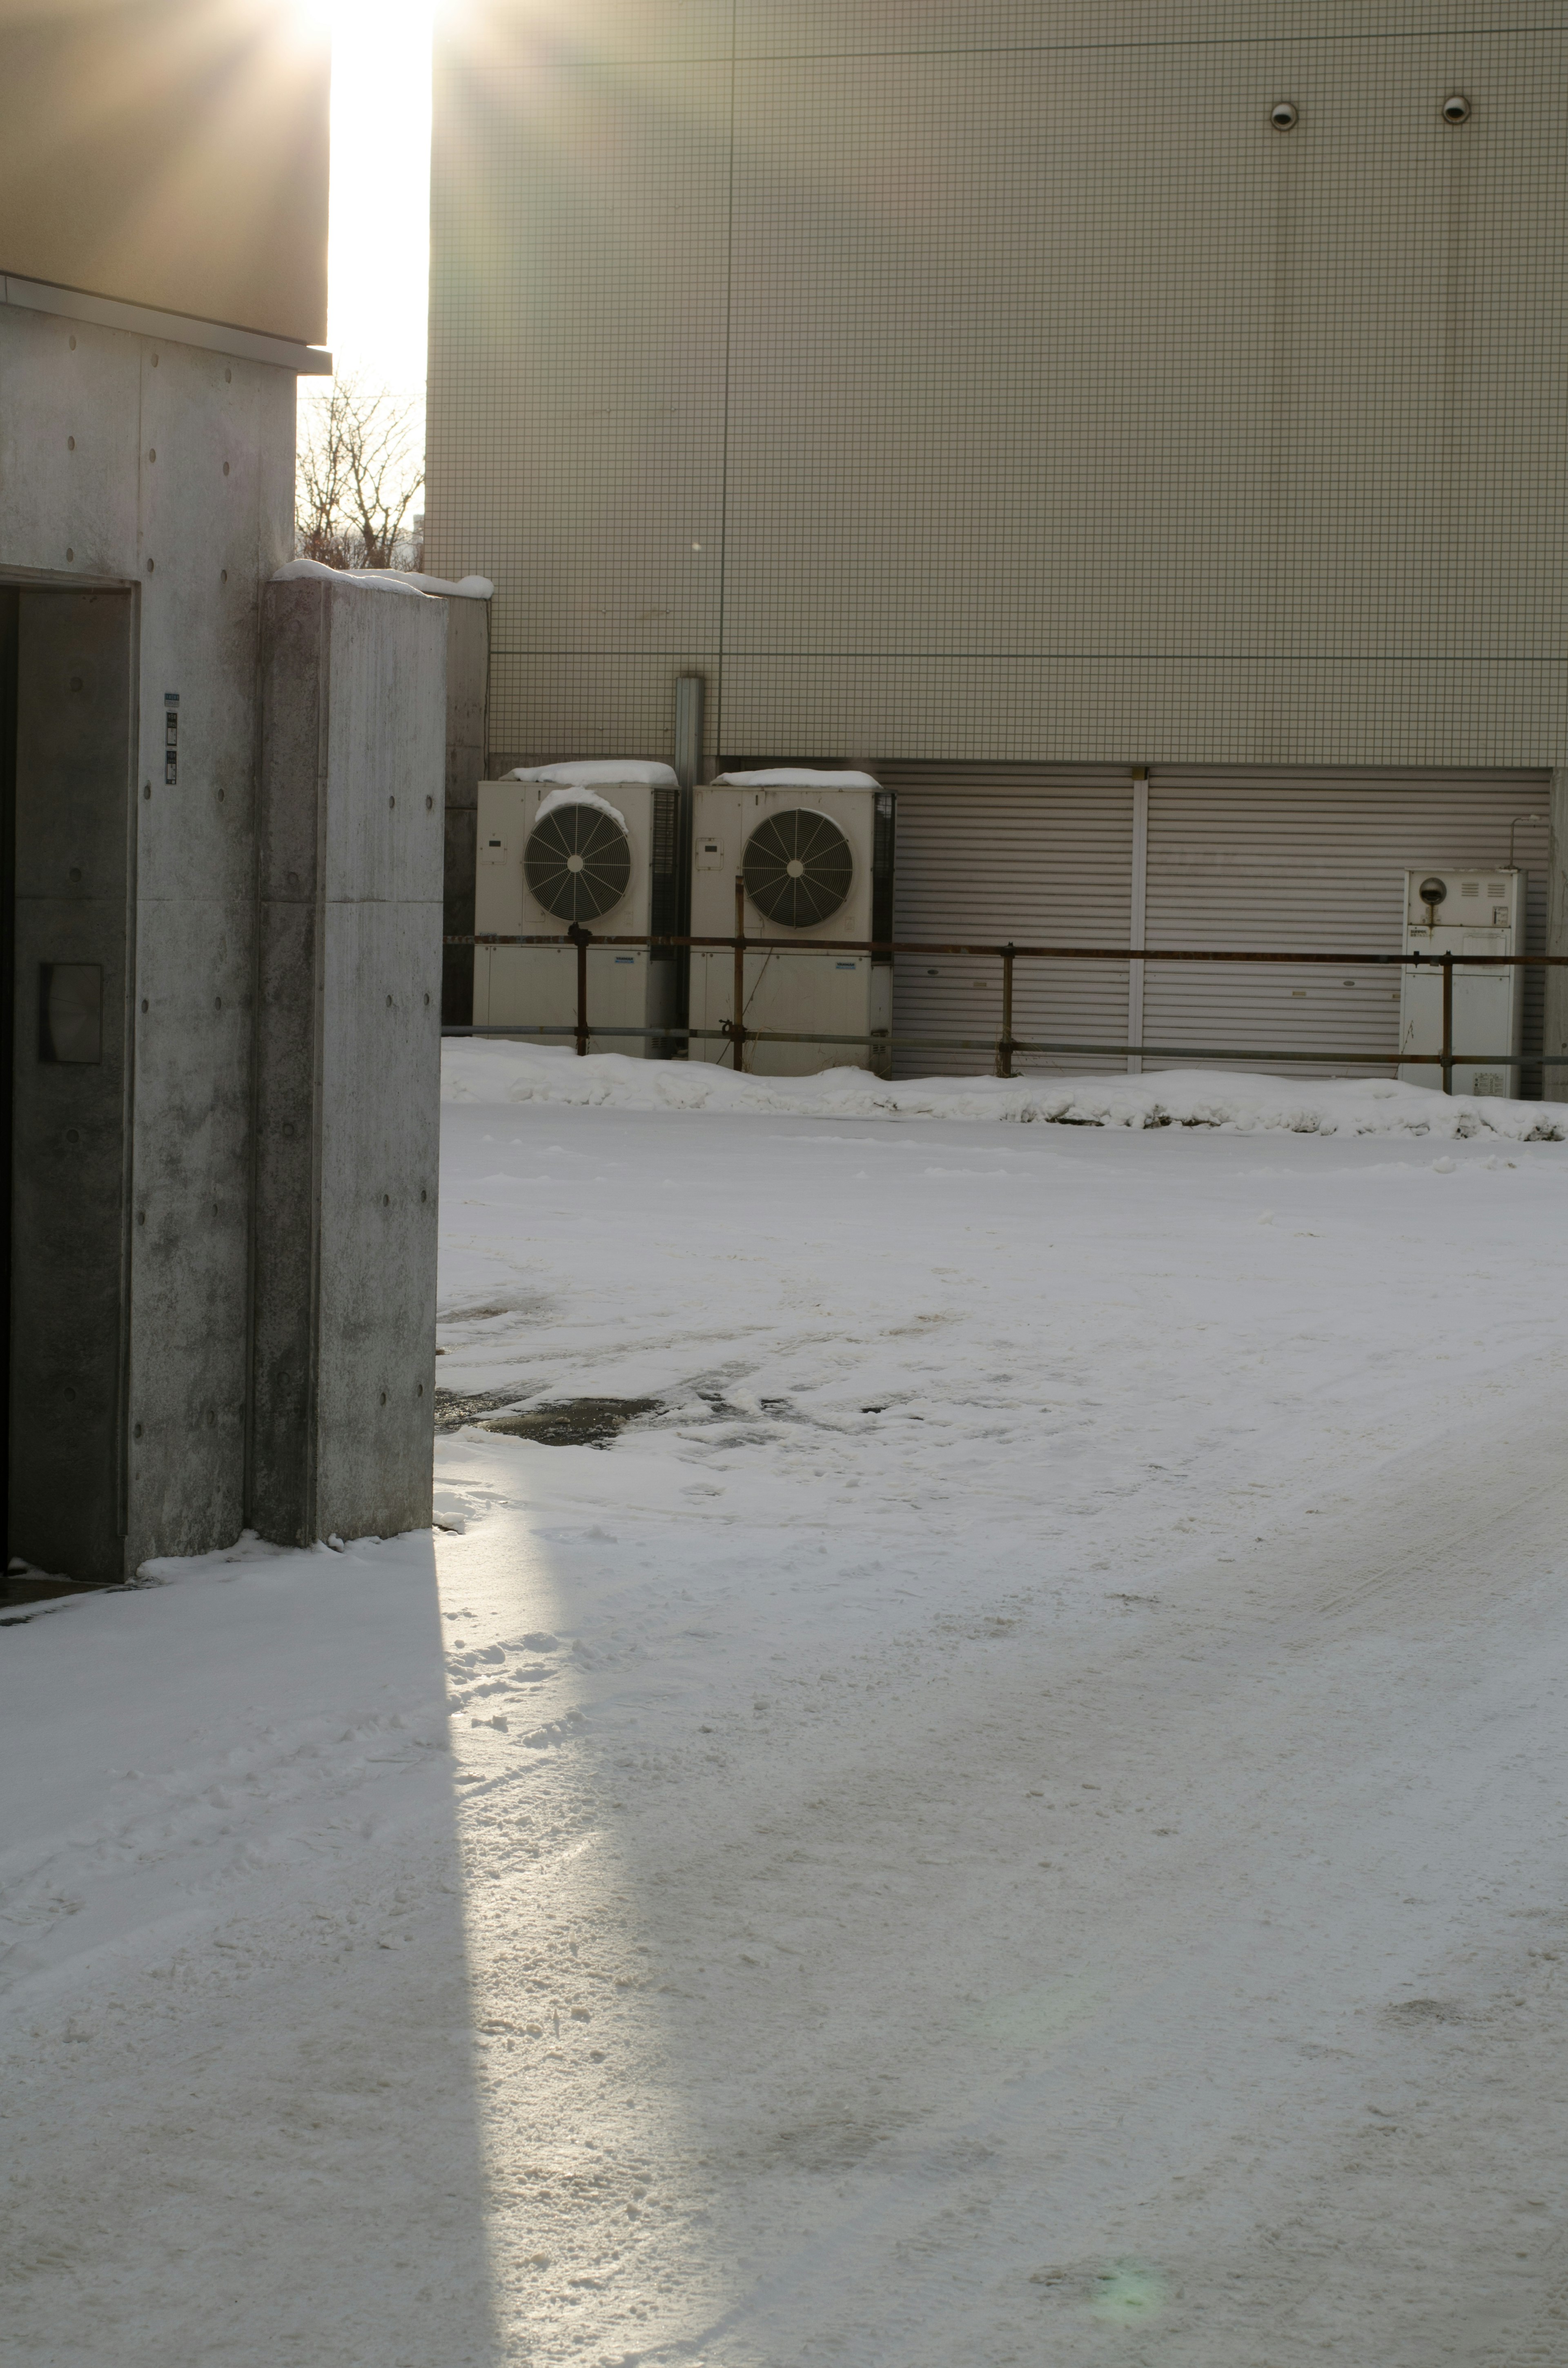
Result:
<point x="575" y="1422"/>
<point x="594" y="1422"/>
<point x="22" y="1586"/>
<point x="454" y="1408"/>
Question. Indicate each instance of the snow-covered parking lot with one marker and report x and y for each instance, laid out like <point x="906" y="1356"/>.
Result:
<point x="1015" y="1815"/>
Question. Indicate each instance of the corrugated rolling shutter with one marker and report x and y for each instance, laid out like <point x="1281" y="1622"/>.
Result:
<point x="1041" y="854"/>
<point x="1313" y="860"/>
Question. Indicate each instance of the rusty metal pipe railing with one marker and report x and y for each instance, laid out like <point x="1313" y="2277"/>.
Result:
<point x="582" y="938"/>
<point x="1002" y="1047"/>
<point x="739" y="1023"/>
<point x="1035" y="953"/>
<point x="1006" y="1048"/>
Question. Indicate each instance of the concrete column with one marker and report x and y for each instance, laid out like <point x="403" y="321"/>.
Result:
<point x="468" y="683"/>
<point x="348" y="1059"/>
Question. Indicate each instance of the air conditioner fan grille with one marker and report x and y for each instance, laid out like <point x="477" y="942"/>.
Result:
<point x="798" y="868"/>
<point x="577" y="863"/>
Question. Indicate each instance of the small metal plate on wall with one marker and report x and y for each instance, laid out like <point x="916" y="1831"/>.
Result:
<point x="70" y="1011"/>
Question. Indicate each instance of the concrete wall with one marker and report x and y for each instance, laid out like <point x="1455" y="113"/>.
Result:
<point x="349" y="1057"/>
<point x="192" y="533"/>
<point x="161" y="475"/>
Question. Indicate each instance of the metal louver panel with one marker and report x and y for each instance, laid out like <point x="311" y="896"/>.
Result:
<point x="666" y="911"/>
<point x="1041" y="854"/>
<point x="1313" y="860"/>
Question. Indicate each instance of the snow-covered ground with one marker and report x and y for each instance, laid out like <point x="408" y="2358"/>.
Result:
<point x="1018" y="1817"/>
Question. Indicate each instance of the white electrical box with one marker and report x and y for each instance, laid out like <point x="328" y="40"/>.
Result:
<point x="815" y="853"/>
<point x="579" y="843"/>
<point x="1454" y="912"/>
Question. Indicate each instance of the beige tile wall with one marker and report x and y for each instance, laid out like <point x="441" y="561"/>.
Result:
<point x="989" y="379"/>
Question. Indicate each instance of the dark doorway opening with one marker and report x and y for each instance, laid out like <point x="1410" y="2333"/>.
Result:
<point x="67" y="718"/>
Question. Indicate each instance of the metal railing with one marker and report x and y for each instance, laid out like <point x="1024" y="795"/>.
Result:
<point x="1003" y="1046"/>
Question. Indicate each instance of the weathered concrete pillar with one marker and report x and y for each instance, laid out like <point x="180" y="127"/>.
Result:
<point x="348" y="1058"/>
<point x="468" y="682"/>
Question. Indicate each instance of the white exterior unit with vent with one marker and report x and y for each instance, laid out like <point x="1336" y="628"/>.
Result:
<point x="1451" y="912"/>
<point x="576" y="844"/>
<point x="815" y="850"/>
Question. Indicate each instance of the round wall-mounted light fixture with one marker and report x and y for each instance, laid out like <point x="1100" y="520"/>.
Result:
<point x="1455" y="108"/>
<point x="1285" y="115"/>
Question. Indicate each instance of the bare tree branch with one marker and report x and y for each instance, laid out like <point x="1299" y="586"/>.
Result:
<point x="319" y="531"/>
<point x="358" y="472"/>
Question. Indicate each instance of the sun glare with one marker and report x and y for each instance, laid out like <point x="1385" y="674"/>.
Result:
<point x="330" y="16"/>
<point x="379" y="257"/>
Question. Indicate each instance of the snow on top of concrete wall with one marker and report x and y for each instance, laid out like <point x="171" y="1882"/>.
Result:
<point x="586" y="772"/>
<point x="314" y="571"/>
<point x="474" y="1070"/>
<point x="384" y="579"/>
<point x="796" y="777"/>
<point x="467" y="587"/>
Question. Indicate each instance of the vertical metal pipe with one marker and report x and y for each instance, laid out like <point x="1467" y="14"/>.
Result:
<point x="1138" y="912"/>
<point x="1448" y="1023"/>
<point x="740" y="1004"/>
<point x="1004" y="1044"/>
<point x="689" y="691"/>
<point x="580" y="938"/>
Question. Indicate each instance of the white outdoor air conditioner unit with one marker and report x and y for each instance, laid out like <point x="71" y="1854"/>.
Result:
<point x="1468" y="912"/>
<point x="597" y="843"/>
<point x="816" y="852"/>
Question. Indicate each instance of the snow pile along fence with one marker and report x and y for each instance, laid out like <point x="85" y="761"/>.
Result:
<point x="1236" y="1103"/>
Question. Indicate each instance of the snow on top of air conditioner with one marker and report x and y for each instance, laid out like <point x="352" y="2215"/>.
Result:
<point x="796" y="777"/>
<point x="574" y="793"/>
<point x="588" y="772"/>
